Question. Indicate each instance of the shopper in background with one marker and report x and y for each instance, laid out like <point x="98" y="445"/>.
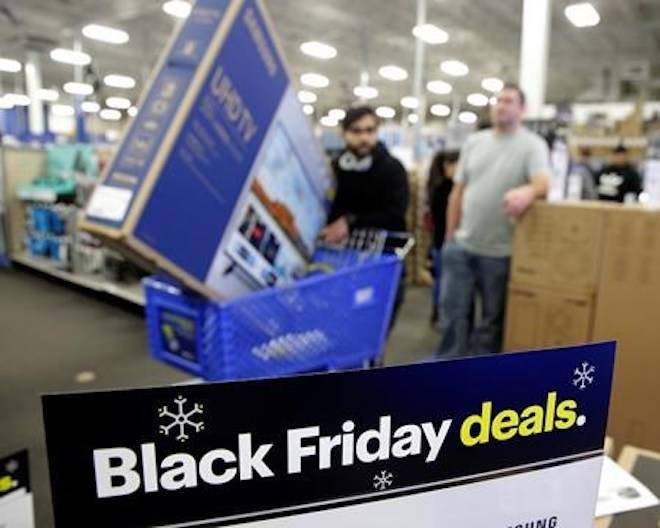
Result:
<point x="372" y="186"/>
<point x="501" y="172"/>
<point x="440" y="184"/>
<point x="619" y="179"/>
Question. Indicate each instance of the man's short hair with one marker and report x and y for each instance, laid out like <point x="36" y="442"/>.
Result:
<point x="621" y="149"/>
<point x="356" y="113"/>
<point x="516" y="88"/>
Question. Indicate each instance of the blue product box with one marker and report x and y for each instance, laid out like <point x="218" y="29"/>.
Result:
<point x="219" y="181"/>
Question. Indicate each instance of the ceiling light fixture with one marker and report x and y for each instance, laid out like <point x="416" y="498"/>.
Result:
<point x="17" y="99"/>
<point x="455" y="68"/>
<point x="61" y="110"/>
<point x="46" y="94"/>
<point x="392" y="72"/>
<point x="582" y="15"/>
<point x="365" y="92"/>
<point x="318" y="50"/>
<point x="77" y="88"/>
<point x="337" y="113"/>
<point x="308" y="109"/>
<point x="10" y="65"/>
<point x="410" y="102"/>
<point x="314" y="80"/>
<point x="440" y="110"/>
<point x="385" y="112"/>
<point x="110" y="114"/>
<point x="492" y="84"/>
<point x="115" y="80"/>
<point x="132" y="111"/>
<point x="413" y="119"/>
<point x="177" y="8"/>
<point x="118" y="103"/>
<point x="307" y="97"/>
<point x="328" y="121"/>
<point x="468" y="118"/>
<point x="439" y="87"/>
<point x="90" y="107"/>
<point x="68" y="56"/>
<point x="430" y="34"/>
<point x="477" y="99"/>
<point x="105" y="34"/>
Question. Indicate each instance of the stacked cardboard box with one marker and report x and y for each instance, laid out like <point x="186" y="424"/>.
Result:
<point x="591" y="272"/>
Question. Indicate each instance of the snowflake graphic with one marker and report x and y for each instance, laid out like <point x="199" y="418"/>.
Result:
<point x="383" y="480"/>
<point x="584" y="375"/>
<point x="12" y="466"/>
<point x="181" y="419"/>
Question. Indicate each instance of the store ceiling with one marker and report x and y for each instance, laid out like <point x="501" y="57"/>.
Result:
<point x="484" y="34"/>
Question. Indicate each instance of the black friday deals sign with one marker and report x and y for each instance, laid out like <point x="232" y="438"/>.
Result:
<point x="518" y="435"/>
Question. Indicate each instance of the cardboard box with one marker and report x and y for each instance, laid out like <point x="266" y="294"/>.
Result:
<point x="219" y="180"/>
<point x="628" y="310"/>
<point x="538" y="318"/>
<point x="560" y="245"/>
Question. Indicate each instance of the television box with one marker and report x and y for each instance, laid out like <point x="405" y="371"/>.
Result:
<point x="539" y="317"/>
<point x="560" y="245"/>
<point x="219" y="180"/>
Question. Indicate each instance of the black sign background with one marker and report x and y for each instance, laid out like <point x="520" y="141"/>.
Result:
<point x="77" y="424"/>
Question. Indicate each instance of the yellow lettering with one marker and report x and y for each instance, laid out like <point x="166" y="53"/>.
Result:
<point x="505" y="425"/>
<point x="482" y="421"/>
<point x="566" y="414"/>
<point x="550" y="411"/>
<point x="532" y="422"/>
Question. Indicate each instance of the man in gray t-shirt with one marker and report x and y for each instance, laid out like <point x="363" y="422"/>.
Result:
<point x="502" y="171"/>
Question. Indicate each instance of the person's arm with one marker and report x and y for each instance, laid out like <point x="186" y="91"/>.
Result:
<point x="519" y="199"/>
<point x="454" y="205"/>
<point x="396" y="196"/>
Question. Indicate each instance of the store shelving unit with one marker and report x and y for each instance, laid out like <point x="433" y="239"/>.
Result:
<point x="132" y="293"/>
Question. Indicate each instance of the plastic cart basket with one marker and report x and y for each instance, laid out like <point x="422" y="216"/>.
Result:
<point x="326" y="321"/>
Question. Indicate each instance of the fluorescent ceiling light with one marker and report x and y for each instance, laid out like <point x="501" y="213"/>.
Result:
<point x="119" y="103"/>
<point x="468" y="118"/>
<point x="430" y="34"/>
<point x="46" y="94"/>
<point x="477" y="99"/>
<point x="90" y="107"/>
<point x="110" y="114"/>
<point x="413" y="119"/>
<point x="582" y="15"/>
<point x="76" y="88"/>
<point x="386" y="112"/>
<point x="493" y="101"/>
<point x="67" y="56"/>
<point x="10" y="65"/>
<point x="115" y="80"/>
<point x="337" y="113"/>
<point x="318" y="50"/>
<point x="307" y="97"/>
<point x="105" y="34"/>
<point x="492" y="84"/>
<point x="61" y="110"/>
<point x="308" y="109"/>
<point x="365" y="92"/>
<point x="439" y="87"/>
<point x="440" y="110"/>
<point x="410" y="102"/>
<point x="132" y="111"/>
<point x="328" y="121"/>
<point x="177" y="8"/>
<point x="393" y="73"/>
<point x="17" y="99"/>
<point x="315" y="80"/>
<point x="455" y="68"/>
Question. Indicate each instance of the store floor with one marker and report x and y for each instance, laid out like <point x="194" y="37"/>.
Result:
<point x="54" y="338"/>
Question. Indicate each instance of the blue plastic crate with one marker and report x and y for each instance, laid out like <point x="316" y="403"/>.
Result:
<point x="327" y="321"/>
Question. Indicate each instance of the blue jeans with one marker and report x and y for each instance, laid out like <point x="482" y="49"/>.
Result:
<point x="437" y="270"/>
<point x="465" y="275"/>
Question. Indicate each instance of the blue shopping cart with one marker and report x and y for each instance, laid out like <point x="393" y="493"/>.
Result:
<point x="335" y="318"/>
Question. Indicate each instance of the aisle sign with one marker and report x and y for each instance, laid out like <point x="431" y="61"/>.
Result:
<point x="499" y="441"/>
<point x="16" y="505"/>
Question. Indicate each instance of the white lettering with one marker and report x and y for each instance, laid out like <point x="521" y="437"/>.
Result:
<point x="183" y="473"/>
<point x="206" y="467"/>
<point x="296" y="451"/>
<point x="435" y="440"/>
<point x="249" y="462"/>
<point x="106" y="472"/>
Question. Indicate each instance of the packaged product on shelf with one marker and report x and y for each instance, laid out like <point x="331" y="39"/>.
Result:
<point x="220" y="180"/>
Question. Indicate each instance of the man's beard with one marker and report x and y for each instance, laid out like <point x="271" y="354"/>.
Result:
<point x="362" y="151"/>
